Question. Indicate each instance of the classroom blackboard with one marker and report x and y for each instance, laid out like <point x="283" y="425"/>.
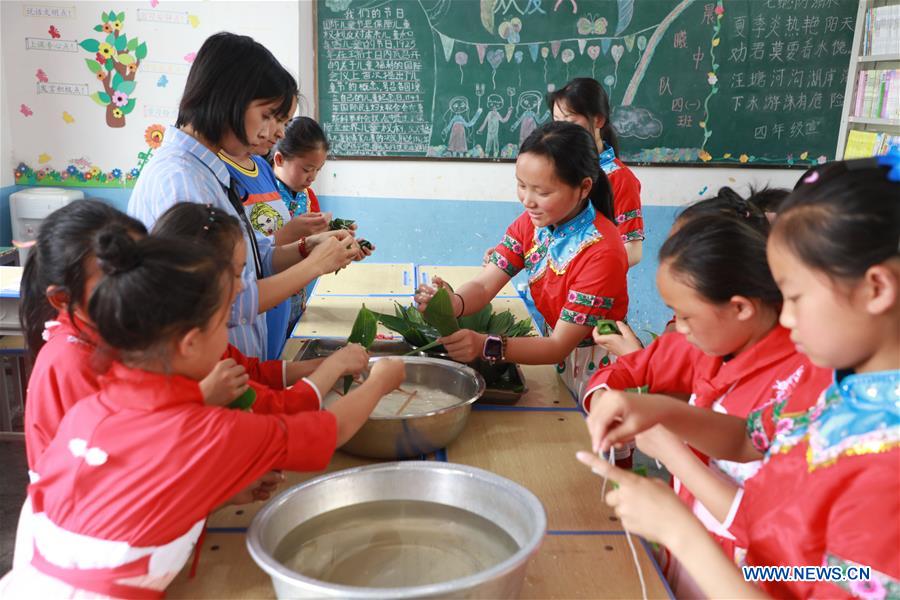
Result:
<point x="690" y="81"/>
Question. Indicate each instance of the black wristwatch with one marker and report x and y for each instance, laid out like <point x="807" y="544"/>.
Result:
<point x="494" y="348"/>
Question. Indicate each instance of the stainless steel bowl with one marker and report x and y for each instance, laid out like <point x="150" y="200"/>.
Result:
<point x="414" y="435"/>
<point x="507" y="504"/>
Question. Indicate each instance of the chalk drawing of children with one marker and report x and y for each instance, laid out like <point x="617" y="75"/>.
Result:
<point x="458" y="145"/>
<point x="527" y="111"/>
<point x="492" y="122"/>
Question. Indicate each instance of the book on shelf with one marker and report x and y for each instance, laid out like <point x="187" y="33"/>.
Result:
<point x="882" y="30"/>
<point x="877" y="94"/>
<point x="863" y="144"/>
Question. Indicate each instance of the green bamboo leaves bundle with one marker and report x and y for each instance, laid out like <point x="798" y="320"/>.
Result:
<point x="365" y="327"/>
<point x="422" y="330"/>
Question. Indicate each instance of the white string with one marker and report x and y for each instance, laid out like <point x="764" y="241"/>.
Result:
<point x="634" y="556"/>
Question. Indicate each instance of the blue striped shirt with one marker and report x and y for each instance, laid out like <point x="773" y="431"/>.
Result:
<point x="184" y="170"/>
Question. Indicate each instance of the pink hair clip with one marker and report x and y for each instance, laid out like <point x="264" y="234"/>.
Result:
<point x="812" y="177"/>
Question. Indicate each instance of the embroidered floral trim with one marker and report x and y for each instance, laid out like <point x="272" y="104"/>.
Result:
<point x="505" y="266"/>
<point x="513" y="244"/>
<point x="628" y="215"/>
<point x="632" y="236"/>
<point x="578" y="318"/>
<point x="589" y="300"/>
<point x="821" y="453"/>
<point x="879" y="586"/>
<point x="874" y="442"/>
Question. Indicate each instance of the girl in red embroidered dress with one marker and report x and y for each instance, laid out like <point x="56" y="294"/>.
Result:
<point x="826" y="495"/>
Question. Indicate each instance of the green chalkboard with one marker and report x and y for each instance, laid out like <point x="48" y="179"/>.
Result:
<point x="690" y="81"/>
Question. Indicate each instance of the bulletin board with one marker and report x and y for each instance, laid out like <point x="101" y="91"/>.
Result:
<point x="91" y="86"/>
<point x="691" y="81"/>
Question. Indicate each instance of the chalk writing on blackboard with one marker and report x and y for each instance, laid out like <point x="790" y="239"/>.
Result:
<point x="724" y="81"/>
<point x="374" y="69"/>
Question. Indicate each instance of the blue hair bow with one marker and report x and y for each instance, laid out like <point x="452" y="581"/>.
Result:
<point x="892" y="160"/>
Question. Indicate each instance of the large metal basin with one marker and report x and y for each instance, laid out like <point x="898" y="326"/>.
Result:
<point x="411" y="436"/>
<point x="507" y="504"/>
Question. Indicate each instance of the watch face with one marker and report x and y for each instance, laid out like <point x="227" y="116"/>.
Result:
<point x="492" y="347"/>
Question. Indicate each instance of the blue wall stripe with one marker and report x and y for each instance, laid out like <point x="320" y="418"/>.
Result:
<point x="447" y="232"/>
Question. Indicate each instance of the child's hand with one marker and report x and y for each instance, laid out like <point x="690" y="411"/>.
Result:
<point x="425" y="292"/>
<point x="620" y="345"/>
<point x="388" y="373"/>
<point x="353" y="358"/>
<point x="658" y="442"/>
<point x="226" y="381"/>
<point x="617" y="417"/>
<point x="646" y="505"/>
<point x="465" y="345"/>
<point x="308" y="224"/>
<point x="331" y="250"/>
<point x="258" y="491"/>
<point x="486" y="259"/>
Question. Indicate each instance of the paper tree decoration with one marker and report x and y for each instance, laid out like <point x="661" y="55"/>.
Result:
<point x="115" y="63"/>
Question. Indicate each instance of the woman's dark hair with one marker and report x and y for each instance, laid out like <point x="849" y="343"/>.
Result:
<point x="573" y="153"/>
<point x="842" y="218"/>
<point x="301" y="135"/>
<point x="585" y="96"/>
<point x="201" y="222"/>
<point x="721" y="256"/>
<point x="64" y="241"/>
<point x="154" y="290"/>
<point x="229" y="72"/>
<point x="729" y="202"/>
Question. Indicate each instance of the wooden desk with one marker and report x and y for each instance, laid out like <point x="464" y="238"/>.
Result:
<point x="365" y="278"/>
<point x="456" y="276"/>
<point x="585" y="553"/>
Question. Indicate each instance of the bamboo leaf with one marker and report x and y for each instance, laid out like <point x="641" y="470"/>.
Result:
<point x="477" y="321"/>
<point x="500" y="323"/>
<point x="439" y="313"/>
<point x="652" y="335"/>
<point x="427" y="346"/>
<point x="607" y="327"/>
<point x="245" y="400"/>
<point x="364" y="330"/>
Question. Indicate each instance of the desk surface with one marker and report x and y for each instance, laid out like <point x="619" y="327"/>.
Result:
<point x="585" y="553"/>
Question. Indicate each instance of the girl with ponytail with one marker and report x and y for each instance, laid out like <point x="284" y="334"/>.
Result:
<point x="583" y="101"/>
<point x="569" y="246"/>
<point x="121" y="493"/>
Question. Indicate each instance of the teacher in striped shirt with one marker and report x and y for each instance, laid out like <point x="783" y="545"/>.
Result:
<point x="237" y="98"/>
